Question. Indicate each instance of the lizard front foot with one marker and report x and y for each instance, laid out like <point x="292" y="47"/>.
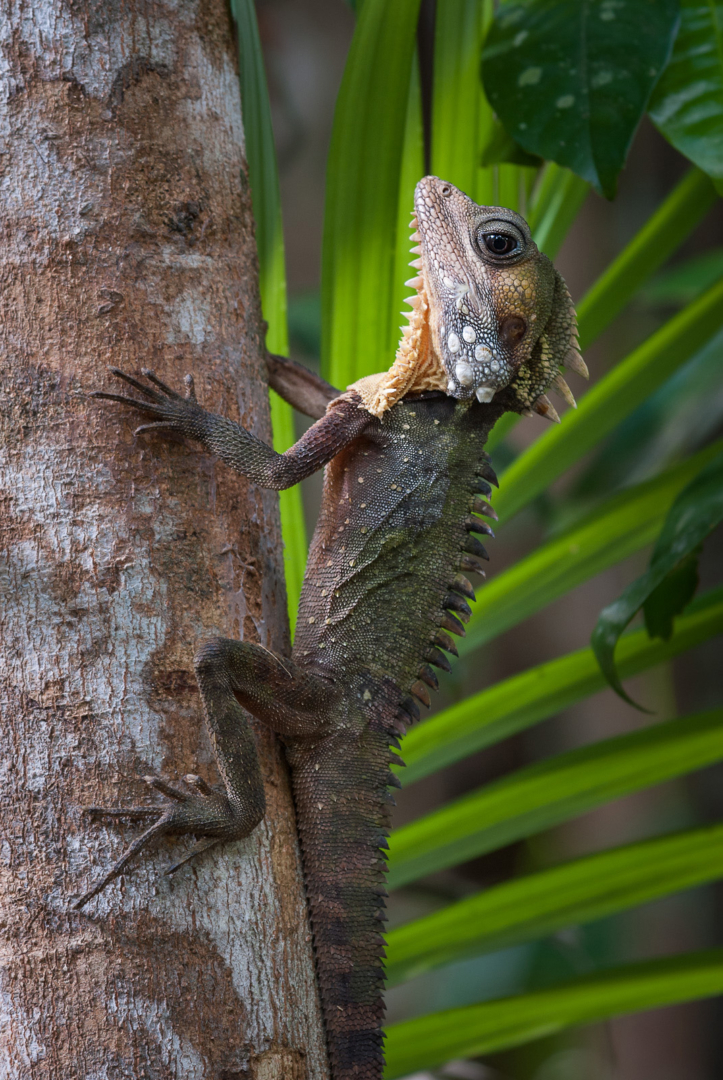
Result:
<point x="204" y="813"/>
<point x="171" y="411"/>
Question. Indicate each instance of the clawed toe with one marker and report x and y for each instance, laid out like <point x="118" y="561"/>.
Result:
<point x="152" y="377"/>
<point x="165" y="788"/>
<point x="165" y="405"/>
<point x="141" y="387"/>
<point x="157" y="426"/>
<point x="198" y="784"/>
<point x="157" y="829"/>
<point x="202" y="845"/>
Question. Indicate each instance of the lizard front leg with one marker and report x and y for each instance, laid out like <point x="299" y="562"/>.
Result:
<point x="238" y="448"/>
<point x="230" y="674"/>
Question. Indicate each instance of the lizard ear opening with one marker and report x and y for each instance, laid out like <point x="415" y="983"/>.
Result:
<point x="512" y="330"/>
<point x="557" y="347"/>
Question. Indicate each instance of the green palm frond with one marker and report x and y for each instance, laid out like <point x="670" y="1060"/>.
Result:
<point x="497" y="1025"/>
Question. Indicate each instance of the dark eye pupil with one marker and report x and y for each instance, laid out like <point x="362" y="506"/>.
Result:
<point x="499" y="244"/>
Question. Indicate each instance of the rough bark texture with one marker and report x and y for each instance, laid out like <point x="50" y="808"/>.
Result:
<point x="126" y="238"/>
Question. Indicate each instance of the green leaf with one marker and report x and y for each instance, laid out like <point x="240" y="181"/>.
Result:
<point x="608" y="402"/>
<point x="263" y="175"/>
<point x="693" y="515"/>
<point x="625" y="523"/>
<point x="686" y="280"/>
<point x="544" y="794"/>
<point x="525" y="699"/>
<point x="671" y="597"/>
<point x="501" y="147"/>
<point x="676" y="420"/>
<point x="291" y="509"/>
<point x="555" y="205"/>
<point x="261" y="159"/>
<point x="512" y="185"/>
<point x="305" y="323"/>
<point x="673" y="221"/>
<point x="570" y="79"/>
<point x="362" y="194"/>
<point x="569" y="895"/>
<point x="496" y="1025"/>
<point x="687" y="104"/>
<point x="462" y="120"/>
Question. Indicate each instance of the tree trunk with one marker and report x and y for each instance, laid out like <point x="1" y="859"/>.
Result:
<point x="126" y="238"/>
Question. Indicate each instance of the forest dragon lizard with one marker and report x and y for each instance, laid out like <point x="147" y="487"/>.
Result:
<point x="491" y="324"/>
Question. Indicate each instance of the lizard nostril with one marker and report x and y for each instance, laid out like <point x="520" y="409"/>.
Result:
<point x="512" y="329"/>
<point x="446" y="190"/>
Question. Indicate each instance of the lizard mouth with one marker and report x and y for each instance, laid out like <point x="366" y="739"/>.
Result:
<point x="477" y="371"/>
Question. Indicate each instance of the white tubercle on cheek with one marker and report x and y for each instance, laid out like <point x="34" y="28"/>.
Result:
<point x="453" y="343"/>
<point x="485" y="393"/>
<point x="464" y="373"/>
<point x="481" y="352"/>
<point x="469" y="334"/>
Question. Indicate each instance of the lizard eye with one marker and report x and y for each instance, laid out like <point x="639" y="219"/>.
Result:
<point x="500" y="239"/>
<point x="499" y="244"/>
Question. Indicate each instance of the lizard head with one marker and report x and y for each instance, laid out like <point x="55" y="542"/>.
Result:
<point x="489" y="310"/>
<point x="499" y="313"/>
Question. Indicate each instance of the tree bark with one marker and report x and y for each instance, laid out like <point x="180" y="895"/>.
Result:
<point x="126" y="238"/>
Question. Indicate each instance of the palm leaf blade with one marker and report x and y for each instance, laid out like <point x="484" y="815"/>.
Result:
<point x="549" y="792"/>
<point x="495" y="1025"/>
<point x="362" y="196"/>
<point x="539" y="904"/>
<point x="610" y="401"/>
<point x="525" y="699"/>
<point x="627" y="522"/>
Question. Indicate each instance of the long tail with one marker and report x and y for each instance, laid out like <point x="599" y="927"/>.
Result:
<point x="343" y="806"/>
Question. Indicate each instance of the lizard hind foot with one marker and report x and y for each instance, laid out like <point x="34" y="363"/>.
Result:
<point x="204" y="812"/>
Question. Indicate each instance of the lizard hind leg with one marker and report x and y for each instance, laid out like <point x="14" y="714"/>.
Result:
<point x="292" y="700"/>
<point x="230" y="675"/>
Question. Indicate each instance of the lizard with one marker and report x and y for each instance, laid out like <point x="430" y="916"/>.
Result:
<point x="405" y="492"/>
